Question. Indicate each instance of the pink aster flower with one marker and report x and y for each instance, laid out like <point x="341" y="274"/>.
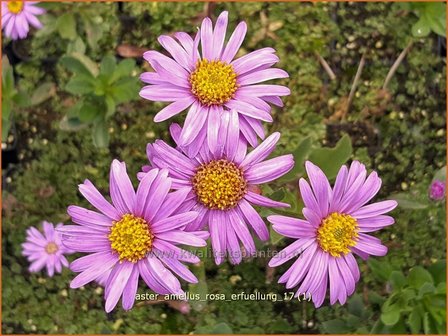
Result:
<point x="210" y="81"/>
<point x="134" y="236"/>
<point x="17" y="16"/>
<point x="220" y="184"/>
<point x="336" y="226"/>
<point x="437" y="190"/>
<point x="45" y="250"/>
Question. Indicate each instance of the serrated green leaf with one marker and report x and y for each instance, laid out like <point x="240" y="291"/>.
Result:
<point x="330" y="160"/>
<point x="427" y="324"/>
<point x="415" y="321"/>
<point x="418" y="276"/>
<point x="426" y="288"/>
<point x="397" y="280"/>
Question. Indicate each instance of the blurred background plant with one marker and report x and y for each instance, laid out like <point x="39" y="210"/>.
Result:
<point x="99" y="92"/>
<point x="338" y="55"/>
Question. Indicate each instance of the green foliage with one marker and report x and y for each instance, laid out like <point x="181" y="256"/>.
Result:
<point x="432" y="17"/>
<point x="417" y="302"/>
<point x="100" y="90"/>
<point x="13" y="97"/>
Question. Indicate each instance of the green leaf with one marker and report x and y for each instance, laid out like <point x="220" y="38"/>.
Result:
<point x="221" y="328"/>
<point x="415" y="321"/>
<point x="391" y="316"/>
<point x="125" y="90"/>
<point x="108" y="64"/>
<point x="409" y="201"/>
<point x="418" y="276"/>
<point x="438" y="271"/>
<point x="77" y="45"/>
<point x="80" y="64"/>
<point x="22" y="99"/>
<point x="100" y="134"/>
<point x="421" y="28"/>
<point x="89" y="112"/>
<point x="335" y="327"/>
<point x="42" y="93"/>
<point x="380" y="269"/>
<point x="7" y="78"/>
<point x="124" y="69"/>
<point x="6" y="125"/>
<point x="427" y="324"/>
<point x="426" y="288"/>
<point x="66" y="25"/>
<point x="94" y="30"/>
<point x="397" y="280"/>
<point x="435" y="14"/>
<point x="355" y="305"/>
<point x="330" y="160"/>
<point x="110" y="104"/>
<point x="300" y="154"/>
<point x="79" y="85"/>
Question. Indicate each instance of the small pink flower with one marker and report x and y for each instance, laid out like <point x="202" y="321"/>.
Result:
<point x="437" y="190"/>
<point x="17" y="16"/>
<point x="45" y="250"/>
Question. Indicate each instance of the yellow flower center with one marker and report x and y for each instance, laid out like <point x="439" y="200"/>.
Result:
<point x="219" y="184"/>
<point x="337" y="233"/>
<point x="15" y="7"/>
<point x="131" y="238"/>
<point x="51" y="248"/>
<point x="213" y="82"/>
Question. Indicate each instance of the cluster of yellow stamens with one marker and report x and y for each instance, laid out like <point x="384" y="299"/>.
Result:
<point x="51" y="248"/>
<point x="131" y="238"/>
<point x="337" y="233"/>
<point x="15" y="7"/>
<point x="219" y="184"/>
<point x="213" y="82"/>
